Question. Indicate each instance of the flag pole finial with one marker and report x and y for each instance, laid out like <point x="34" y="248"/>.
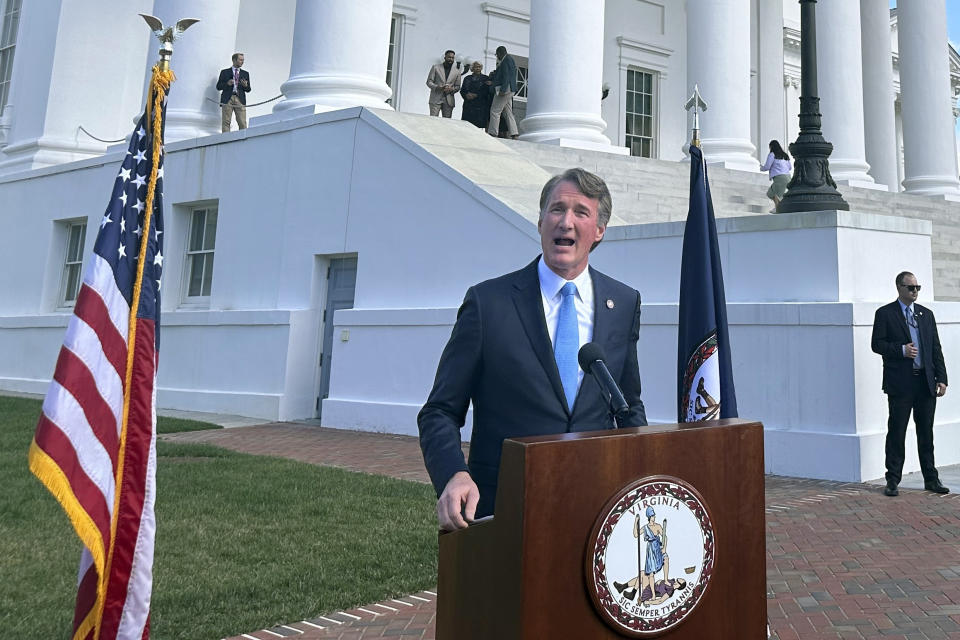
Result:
<point x="166" y="36"/>
<point x="697" y="104"/>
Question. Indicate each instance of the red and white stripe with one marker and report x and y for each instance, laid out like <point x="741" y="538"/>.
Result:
<point x="77" y="454"/>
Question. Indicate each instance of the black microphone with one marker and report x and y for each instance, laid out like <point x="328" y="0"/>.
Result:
<point x="591" y="359"/>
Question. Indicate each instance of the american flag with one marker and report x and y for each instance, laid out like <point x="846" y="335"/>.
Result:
<point x="95" y="443"/>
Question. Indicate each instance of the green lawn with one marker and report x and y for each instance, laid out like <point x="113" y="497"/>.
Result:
<point x="244" y="542"/>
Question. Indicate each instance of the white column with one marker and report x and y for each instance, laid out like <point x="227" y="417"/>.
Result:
<point x="925" y="99"/>
<point x="62" y="82"/>
<point x="193" y="106"/>
<point x="718" y="60"/>
<point x="339" y="56"/>
<point x="880" y="143"/>
<point x="791" y="93"/>
<point x="566" y="74"/>
<point x="840" y="84"/>
<point x="768" y="106"/>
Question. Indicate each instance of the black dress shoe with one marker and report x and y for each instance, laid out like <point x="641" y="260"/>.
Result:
<point x="891" y="490"/>
<point x="936" y="487"/>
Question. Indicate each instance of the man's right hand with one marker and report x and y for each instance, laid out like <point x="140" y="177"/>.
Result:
<point x="230" y="82"/>
<point x="909" y="351"/>
<point x="460" y="494"/>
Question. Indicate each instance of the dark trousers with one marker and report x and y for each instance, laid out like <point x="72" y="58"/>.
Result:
<point x="923" y="406"/>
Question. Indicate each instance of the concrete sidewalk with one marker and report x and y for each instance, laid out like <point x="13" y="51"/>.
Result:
<point x="843" y="560"/>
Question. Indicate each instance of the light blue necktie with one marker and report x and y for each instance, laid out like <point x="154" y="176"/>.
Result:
<point x="567" y="343"/>
<point x="914" y="336"/>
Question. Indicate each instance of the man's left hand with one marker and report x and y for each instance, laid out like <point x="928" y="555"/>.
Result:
<point x="941" y="389"/>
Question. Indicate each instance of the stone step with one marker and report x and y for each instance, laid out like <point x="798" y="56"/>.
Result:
<point x="647" y="190"/>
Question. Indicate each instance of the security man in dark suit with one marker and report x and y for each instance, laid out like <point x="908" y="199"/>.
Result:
<point x="914" y="376"/>
<point x="234" y="83"/>
<point x="512" y="352"/>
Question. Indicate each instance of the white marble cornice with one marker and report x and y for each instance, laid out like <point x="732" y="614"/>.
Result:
<point x="505" y="12"/>
<point x="791" y="39"/>
<point x="644" y="54"/>
<point x="408" y="12"/>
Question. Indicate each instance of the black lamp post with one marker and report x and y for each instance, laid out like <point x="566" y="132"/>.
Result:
<point x="812" y="188"/>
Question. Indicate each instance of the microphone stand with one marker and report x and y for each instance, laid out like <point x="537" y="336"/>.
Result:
<point x="616" y="402"/>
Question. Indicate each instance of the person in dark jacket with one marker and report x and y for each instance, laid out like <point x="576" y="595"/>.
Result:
<point x="234" y="83"/>
<point x="513" y="352"/>
<point x="477" y="95"/>
<point x="914" y="376"/>
<point x="504" y="83"/>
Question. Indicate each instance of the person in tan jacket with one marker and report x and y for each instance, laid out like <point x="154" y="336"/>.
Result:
<point x="444" y="82"/>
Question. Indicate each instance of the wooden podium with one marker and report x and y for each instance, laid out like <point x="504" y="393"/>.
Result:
<point x="524" y="572"/>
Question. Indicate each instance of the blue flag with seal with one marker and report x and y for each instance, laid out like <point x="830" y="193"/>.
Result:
<point x="705" y="388"/>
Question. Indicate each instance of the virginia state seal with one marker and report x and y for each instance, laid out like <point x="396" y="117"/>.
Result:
<point x="650" y="556"/>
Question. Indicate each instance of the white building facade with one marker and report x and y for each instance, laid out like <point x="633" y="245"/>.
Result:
<point x="315" y="261"/>
<point x="744" y="54"/>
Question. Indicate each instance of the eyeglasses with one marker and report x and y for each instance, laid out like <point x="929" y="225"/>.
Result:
<point x="911" y="287"/>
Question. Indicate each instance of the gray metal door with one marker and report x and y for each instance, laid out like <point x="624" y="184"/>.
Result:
<point x="341" y="282"/>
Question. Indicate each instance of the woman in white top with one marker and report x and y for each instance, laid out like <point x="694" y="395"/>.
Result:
<point x="778" y="164"/>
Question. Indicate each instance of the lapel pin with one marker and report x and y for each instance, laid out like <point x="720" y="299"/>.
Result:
<point x="610" y="304"/>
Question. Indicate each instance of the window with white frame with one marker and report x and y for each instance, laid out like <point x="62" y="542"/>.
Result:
<point x="522" y="74"/>
<point x="76" y="232"/>
<point x="394" y="47"/>
<point x="200" y="245"/>
<point x="520" y="97"/>
<point x="9" y="22"/>
<point x="640" y="129"/>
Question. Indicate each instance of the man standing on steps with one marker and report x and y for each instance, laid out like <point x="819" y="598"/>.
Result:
<point x="504" y="83"/>
<point x="914" y="376"/>
<point x="444" y="82"/>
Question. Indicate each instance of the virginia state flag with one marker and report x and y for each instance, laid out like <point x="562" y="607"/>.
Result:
<point x="704" y="374"/>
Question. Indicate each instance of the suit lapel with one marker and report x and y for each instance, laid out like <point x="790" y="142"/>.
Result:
<point x="601" y="314"/>
<point x="602" y="317"/>
<point x="923" y="324"/>
<point x="444" y="76"/>
<point x="526" y="298"/>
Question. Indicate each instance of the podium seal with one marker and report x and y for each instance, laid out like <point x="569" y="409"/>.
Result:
<point x="650" y="556"/>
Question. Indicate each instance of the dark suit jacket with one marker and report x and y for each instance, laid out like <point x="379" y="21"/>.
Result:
<point x="500" y="357"/>
<point x="505" y="75"/>
<point x="890" y="333"/>
<point x="226" y="90"/>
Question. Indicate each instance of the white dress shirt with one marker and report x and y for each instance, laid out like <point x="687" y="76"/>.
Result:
<point x="550" y="285"/>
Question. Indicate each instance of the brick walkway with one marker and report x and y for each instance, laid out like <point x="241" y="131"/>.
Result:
<point x="843" y="560"/>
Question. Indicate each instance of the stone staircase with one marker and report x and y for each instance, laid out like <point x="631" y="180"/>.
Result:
<point x="646" y="190"/>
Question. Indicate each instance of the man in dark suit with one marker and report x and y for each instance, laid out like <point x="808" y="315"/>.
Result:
<point x="914" y="376"/>
<point x="234" y="83"/>
<point x="513" y="352"/>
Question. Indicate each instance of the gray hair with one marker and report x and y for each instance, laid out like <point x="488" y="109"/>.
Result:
<point x="589" y="184"/>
